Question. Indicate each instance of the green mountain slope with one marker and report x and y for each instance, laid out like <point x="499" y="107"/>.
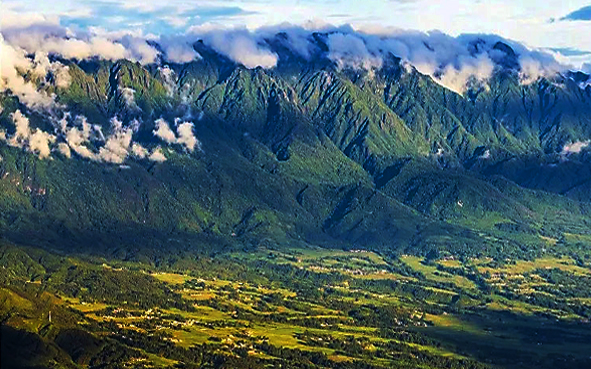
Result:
<point x="305" y="153"/>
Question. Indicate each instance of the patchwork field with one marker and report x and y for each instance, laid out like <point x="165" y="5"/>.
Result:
<point x="329" y="308"/>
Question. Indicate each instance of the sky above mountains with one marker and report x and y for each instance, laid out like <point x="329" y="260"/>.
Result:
<point x="557" y="24"/>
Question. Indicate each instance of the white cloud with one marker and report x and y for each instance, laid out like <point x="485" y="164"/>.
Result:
<point x="13" y="60"/>
<point x="87" y="140"/>
<point x="115" y="149"/>
<point x="157" y="156"/>
<point x="128" y="95"/>
<point x="178" y="49"/>
<point x="37" y="141"/>
<point x="78" y="137"/>
<point x="64" y="149"/>
<point x="118" y="144"/>
<point x="139" y="49"/>
<point x="43" y="67"/>
<point x="139" y="151"/>
<point x="186" y="136"/>
<point x="574" y="148"/>
<point x="456" y="79"/>
<point x="486" y="155"/>
<point x="451" y="61"/>
<point x="51" y="38"/>
<point x="239" y="45"/>
<point x="164" y="132"/>
<point x="533" y="69"/>
<point x="168" y="79"/>
<point x="349" y="50"/>
<point x="22" y="132"/>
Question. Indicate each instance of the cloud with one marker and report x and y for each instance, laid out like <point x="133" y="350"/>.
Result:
<point x="178" y="49"/>
<point x="533" y="69"/>
<point x="128" y="95"/>
<point x="71" y="48"/>
<point x="36" y="141"/>
<point x="486" y="155"/>
<point x="22" y="132"/>
<point x="115" y="149"/>
<point x="87" y="141"/>
<point x="39" y="143"/>
<point x="13" y="62"/>
<point x="52" y="72"/>
<point x="168" y="80"/>
<point x="164" y="132"/>
<point x="64" y="149"/>
<point x="582" y="14"/>
<point x="23" y="19"/>
<point x="139" y="48"/>
<point x="239" y="45"/>
<point x="77" y="137"/>
<point x="139" y="151"/>
<point x="170" y="17"/>
<point x="454" y="62"/>
<point x="53" y="39"/>
<point x="574" y="148"/>
<point x="118" y="144"/>
<point x="349" y="50"/>
<point x="157" y="156"/>
<point x="185" y="134"/>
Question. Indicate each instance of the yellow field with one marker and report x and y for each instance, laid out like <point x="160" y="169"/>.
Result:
<point x="452" y="322"/>
<point x="172" y="278"/>
<point x="431" y="273"/>
<point x="520" y="267"/>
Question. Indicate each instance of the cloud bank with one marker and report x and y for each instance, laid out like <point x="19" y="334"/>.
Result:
<point x="77" y="135"/>
<point x="13" y="62"/>
<point x="451" y="61"/>
<point x="241" y="46"/>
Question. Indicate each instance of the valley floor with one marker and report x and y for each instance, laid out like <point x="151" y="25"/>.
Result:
<point x="296" y="308"/>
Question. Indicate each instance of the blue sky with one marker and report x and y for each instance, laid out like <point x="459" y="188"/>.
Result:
<point x="562" y="25"/>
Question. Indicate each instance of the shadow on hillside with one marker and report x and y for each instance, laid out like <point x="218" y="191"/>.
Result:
<point x="513" y="341"/>
<point x="22" y="349"/>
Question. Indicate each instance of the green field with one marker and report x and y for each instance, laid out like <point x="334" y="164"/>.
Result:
<point x="317" y="305"/>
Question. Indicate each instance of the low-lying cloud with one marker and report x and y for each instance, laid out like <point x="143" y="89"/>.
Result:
<point x="78" y="136"/>
<point x="157" y="155"/>
<point x="128" y="95"/>
<point x="117" y="145"/>
<point x="575" y="147"/>
<point x="164" y="132"/>
<point x="35" y="141"/>
<point x="184" y="134"/>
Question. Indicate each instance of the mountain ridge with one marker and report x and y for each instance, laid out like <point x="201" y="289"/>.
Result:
<point x="384" y="157"/>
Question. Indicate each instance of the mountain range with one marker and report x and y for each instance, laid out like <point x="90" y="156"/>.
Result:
<point x="214" y="156"/>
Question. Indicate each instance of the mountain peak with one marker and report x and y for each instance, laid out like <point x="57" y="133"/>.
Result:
<point x="505" y="56"/>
